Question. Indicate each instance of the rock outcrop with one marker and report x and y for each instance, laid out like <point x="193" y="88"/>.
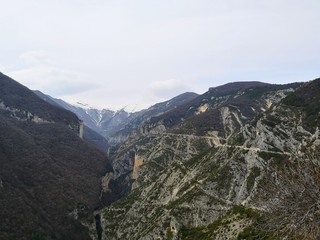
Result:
<point x="203" y="175"/>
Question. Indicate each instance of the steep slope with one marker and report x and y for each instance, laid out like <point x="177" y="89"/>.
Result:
<point x="50" y="178"/>
<point x="24" y="104"/>
<point x="90" y="130"/>
<point x="115" y="126"/>
<point x="95" y="138"/>
<point x="244" y="96"/>
<point x="217" y="185"/>
<point x="219" y="114"/>
<point x="307" y="100"/>
<point x="97" y="120"/>
<point x="161" y="108"/>
<point x="136" y="119"/>
<point x="90" y="118"/>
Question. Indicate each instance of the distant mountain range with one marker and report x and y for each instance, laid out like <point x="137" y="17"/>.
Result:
<point x="228" y="164"/>
<point x="107" y="122"/>
<point x="241" y="161"/>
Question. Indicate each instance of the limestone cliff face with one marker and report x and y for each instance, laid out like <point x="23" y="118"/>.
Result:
<point x="193" y="184"/>
<point x="222" y="115"/>
<point x="196" y="170"/>
<point x="138" y="162"/>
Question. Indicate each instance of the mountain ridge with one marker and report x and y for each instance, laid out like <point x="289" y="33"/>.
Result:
<point x="107" y="122"/>
<point x="211" y="166"/>
<point x="220" y="183"/>
<point x="50" y="177"/>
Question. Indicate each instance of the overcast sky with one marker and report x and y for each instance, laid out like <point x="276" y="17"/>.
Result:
<point x="114" y="53"/>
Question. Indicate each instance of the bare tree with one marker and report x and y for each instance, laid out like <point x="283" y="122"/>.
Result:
<point x="292" y="193"/>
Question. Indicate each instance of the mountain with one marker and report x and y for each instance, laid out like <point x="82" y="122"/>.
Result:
<point x="90" y="130"/>
<point x="117" y="127"/>
<point x="50" y="179"/>
<point x="104" y="121"/>
<point x="240" y="161"/>
<point x="114" y="125"/>
<point x="243" y="96"/>
<point x="137" y="119"/>
<point x="219" y="113"/>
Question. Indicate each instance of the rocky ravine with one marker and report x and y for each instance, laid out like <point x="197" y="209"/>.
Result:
<point x="209" y="183"/>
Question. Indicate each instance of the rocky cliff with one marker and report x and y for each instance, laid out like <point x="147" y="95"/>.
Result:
<point x="217" y="166"/>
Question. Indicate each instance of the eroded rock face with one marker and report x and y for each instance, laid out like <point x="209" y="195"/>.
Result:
<point x="138" y="162"/>
<point x="190" y="179"/>
<point x="182" y="185"/>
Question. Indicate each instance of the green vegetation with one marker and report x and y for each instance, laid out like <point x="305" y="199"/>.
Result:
<point x="201" y="144"/>
<point x="221" y="224"/>
<point x="198" y="159"/>
<point x="238" y="139"/>
<point x="252" y="233"/>
<point x="178" y="167"/>
<point x="222" y="177"/>
<point x="17" y="96"/>
<point x="165" y="157"/>
<point x="37" y="236"/>
<point x="294" y="100"/>
<point x="169" y="234"/>
<point x="271" y="121"/>
<point x="186" y="198"/>
<point x="274" y="158"/>
<point x="245" y="212"/>
<point x="127" y="201"/>
<point x="142" y="152"/>
<point x="307" y="100"/>
<point x="56" y="169"/>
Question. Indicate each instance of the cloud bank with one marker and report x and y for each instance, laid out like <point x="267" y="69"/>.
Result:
<point x="114" y="53"/>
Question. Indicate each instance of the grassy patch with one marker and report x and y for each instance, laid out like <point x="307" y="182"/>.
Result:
<point x="210" y="231"/>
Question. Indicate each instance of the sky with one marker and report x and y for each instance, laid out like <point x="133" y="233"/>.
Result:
<point x="125" y="53"/>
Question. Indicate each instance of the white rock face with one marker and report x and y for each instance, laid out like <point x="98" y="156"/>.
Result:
<point x="191" y="180"/>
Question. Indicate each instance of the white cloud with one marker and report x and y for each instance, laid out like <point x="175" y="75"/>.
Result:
<point x="168" y="88"/>
<point x="37" y="57"/>
<point x="68" y="48"/>
<point x="52" y="81"/>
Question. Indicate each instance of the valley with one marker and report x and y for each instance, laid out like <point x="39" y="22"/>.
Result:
<point x="221" y="165"/>
<point x="201" y="175"/>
